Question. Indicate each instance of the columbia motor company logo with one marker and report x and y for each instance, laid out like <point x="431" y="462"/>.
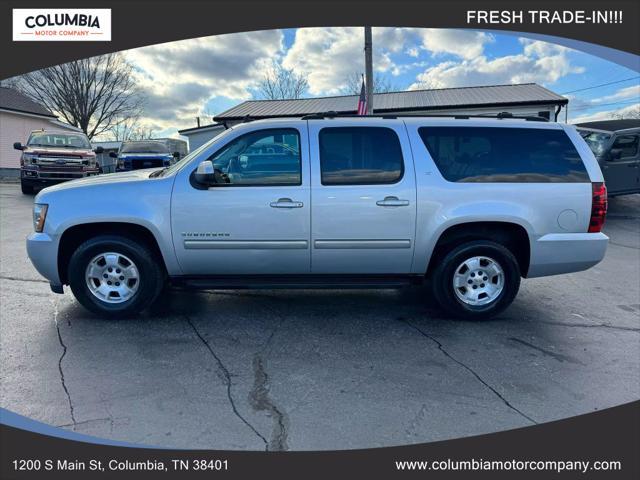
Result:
<point x="61" y="24"/>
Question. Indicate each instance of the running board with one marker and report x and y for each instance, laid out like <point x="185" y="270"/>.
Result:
<point x="310" y="281"/>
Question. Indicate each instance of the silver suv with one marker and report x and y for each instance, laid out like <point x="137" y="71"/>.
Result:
<point x="470" y="205"/>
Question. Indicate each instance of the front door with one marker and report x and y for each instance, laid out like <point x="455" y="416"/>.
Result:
<point x="363" y="197"/>
<point x="622" y="174"/>
<point x="256" y="219"/>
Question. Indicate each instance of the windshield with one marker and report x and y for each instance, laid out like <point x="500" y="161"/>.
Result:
<point x="597" y="141"/>
<point x="60" y="140"/>
<point x="183" y="161"/>
<point x="144" y="147"/>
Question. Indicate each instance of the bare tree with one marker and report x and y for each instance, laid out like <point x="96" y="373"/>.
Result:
<point x="129" y="129"/>
<point x="280" y="83"/>
<point x="94" y="94"/>
<point x="381" y="84"/>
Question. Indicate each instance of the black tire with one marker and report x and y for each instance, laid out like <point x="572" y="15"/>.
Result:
<point x="443" y="276"/>
<point x="26" y="188"/>
<point x="152" y="276"/>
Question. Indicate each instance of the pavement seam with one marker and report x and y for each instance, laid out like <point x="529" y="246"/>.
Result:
<point x="64" y="352"/>
<point x="227" y="381"/>
<point x="17" y="279"/>
<point x="587" y="325"/>
<point x="261" y="401"/>
<point x="470" y="370"/>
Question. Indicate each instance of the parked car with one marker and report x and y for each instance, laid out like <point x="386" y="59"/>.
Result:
<point x="139" y="154"/>
<point x="472" y="205"/>
<point x="51" y="157"/>
<point x="615" y="145"/>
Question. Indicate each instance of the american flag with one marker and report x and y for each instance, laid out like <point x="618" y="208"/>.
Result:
<point x="362" y="101"/>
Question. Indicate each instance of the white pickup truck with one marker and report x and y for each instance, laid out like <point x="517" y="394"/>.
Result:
<point x="469" y="205"/>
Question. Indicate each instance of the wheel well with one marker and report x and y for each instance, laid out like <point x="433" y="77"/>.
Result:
<point x="74" y="236"/>
<point x="511" y="235"/>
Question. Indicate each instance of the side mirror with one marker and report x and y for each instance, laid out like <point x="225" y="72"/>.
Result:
<point x="99" y="150"/>
<point x="176" y="154"/>
<point x="615" y="154"/>
<point x="113" y="154"/>
<point x="18" y="146"/>
<point x="205" y="173"/>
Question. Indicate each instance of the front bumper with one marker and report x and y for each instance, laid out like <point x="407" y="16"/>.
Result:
<point x="42" y="250"/>
<point x="50" y="175"/>
<point x="558" y="253"/>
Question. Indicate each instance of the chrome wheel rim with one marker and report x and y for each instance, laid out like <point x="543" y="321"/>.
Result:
<point x="112" y="277"/>
<point x="478" y="281"/>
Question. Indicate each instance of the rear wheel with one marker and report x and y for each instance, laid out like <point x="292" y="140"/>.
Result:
<point x="26" y="188"/>
<point x="115" y="276"/>
<point x="476" y="280"/>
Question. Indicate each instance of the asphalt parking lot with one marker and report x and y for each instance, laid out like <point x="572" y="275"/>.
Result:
<point x="301" y="370"/>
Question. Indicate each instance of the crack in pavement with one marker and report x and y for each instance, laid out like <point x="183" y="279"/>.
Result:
<point x="470" y="370"/>
<point x="17" y="279"/>
<point x="260" y="401"/>
<point x="64" y="352"/>
<point x="227" y="380"/>
<point x="623" y="245"/>
<point x="587" y="325"/>
<point x="557" y="356"/>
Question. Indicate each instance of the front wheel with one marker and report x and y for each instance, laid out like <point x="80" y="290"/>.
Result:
<point x="115" y="276"/>
<point x="476" y="280"/>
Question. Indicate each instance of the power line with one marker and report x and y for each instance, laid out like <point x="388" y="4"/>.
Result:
<point x="601" y="85"/>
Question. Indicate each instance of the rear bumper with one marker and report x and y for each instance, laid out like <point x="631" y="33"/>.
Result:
<point x="558" y="253"/>
<point x="42" y="250"/>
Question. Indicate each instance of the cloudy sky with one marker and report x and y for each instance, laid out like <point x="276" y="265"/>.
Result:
<point x="205" y="76"/>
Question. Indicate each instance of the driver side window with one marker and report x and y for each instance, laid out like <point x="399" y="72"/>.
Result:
<point x="260" y="158"/>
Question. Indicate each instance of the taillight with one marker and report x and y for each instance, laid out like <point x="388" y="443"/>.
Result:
<point x="598" y="206"/>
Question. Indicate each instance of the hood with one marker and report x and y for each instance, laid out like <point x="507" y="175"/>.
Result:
<point x="101" y="180"/>
<point x="143" y="156"/>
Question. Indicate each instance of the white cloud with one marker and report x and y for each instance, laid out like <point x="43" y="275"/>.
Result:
<point x="625" y="112"/>
<point x="461" y="43"/>
<point x="179" y="77"/>
<point x="539" y="62"/>
<point x="621" y="94"/>
<point x="328" y="56"/>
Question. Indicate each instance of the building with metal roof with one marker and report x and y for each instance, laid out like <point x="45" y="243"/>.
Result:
<point x="521" y="99"/>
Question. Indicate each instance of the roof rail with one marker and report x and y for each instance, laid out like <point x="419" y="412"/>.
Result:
<point x="499" y="116"/>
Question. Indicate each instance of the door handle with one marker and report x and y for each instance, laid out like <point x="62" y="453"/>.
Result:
<point x="392" y="202"/>
<point x="286" y="203"/>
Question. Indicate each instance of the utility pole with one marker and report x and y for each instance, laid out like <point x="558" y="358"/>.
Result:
<point x="368" y="60"/>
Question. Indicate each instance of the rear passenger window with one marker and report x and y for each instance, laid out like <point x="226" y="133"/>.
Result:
<point x="360" y="156"/>
<point x="489" y="154"/>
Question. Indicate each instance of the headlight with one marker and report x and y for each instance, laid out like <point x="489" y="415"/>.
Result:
<point x="39" y="216"/>
<point x="29" y="158"/>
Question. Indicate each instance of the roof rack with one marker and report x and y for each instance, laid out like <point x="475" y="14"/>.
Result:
<point x="499" y="116"/>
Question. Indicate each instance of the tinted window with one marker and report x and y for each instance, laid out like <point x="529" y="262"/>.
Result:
<point x="144" y="147"/>
<point x="263" y="157"/>
<point x="489" y="154"/>
<point x="628" y="144"/>
<point x="360" y="155"/>
<point x="61" y="140"/>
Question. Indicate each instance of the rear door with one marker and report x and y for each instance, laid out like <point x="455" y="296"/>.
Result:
<point x="363" y="197"/>
<point x="622" y="174"/>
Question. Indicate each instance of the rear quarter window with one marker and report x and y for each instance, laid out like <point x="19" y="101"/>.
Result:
<point x="504" y="155"/>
